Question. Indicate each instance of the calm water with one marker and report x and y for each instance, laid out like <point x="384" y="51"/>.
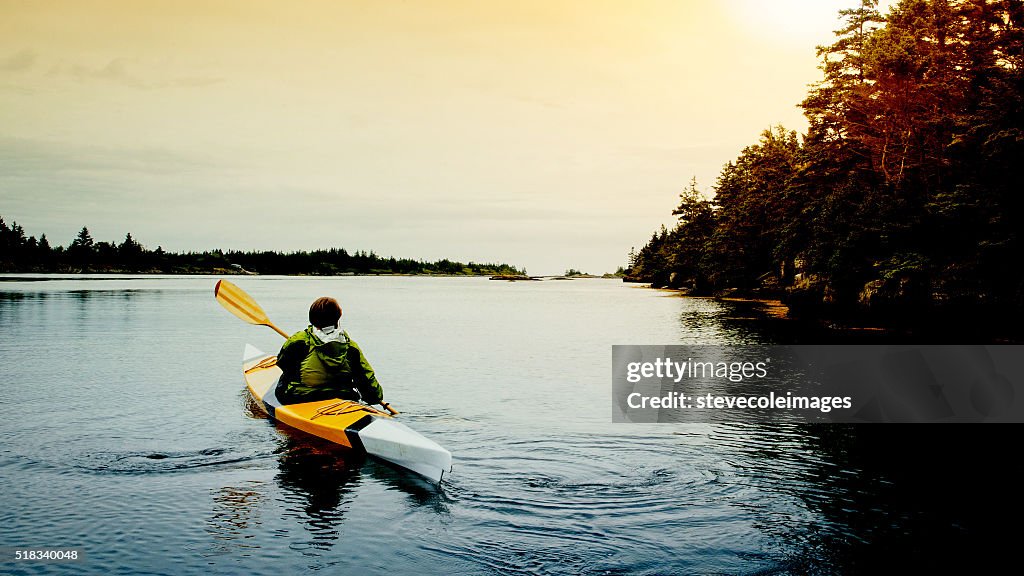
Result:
<point x="126" y="431"/>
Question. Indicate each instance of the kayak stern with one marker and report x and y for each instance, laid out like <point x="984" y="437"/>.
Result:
<point x="395" y="442"/>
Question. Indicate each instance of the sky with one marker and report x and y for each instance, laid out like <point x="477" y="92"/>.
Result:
<point x="546" y="134"/>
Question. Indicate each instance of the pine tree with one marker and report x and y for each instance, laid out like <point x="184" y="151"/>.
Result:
<point x="130" y="253"/>
<point x="81" y="252"/>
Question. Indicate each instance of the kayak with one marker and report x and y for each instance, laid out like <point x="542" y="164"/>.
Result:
<point x="351" y="424"/>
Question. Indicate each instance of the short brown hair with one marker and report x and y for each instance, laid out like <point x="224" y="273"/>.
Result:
<point x="324" y="312"/>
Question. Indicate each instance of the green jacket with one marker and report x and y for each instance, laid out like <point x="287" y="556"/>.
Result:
<point x="312" y="367"/>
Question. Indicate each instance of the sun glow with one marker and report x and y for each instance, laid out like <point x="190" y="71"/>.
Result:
<point x="790" y="22"/>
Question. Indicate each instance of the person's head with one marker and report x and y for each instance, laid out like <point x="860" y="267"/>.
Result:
<point x="324" y="312"/>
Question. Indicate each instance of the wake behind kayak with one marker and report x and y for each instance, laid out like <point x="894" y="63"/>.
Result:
<point x="347" y="423"/>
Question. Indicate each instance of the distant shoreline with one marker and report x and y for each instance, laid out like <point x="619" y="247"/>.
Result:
<point x="771" y="307"/>
<point x="23" y="253"/>
<point x="22" y="276"/>
<point x="42" y="275"/>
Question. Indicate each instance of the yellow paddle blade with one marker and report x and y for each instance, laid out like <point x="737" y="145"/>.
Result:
<point x="236" y="301"/>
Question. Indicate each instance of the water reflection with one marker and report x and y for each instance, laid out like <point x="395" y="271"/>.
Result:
<point x="316" y="480"/>
<point x="877" y="499"/>
<point x="236" y="510"/>
<point x="420" y="492"/>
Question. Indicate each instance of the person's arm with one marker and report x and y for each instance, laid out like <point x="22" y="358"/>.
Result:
<point x="289" y="359"/>
<point x="363" y="377"/>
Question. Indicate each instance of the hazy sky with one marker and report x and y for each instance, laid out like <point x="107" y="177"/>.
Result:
<point x="547" y="134"/>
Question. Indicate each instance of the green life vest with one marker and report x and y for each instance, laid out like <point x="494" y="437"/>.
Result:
<point x="326" y="363"/>
<point x="313" y="367"/>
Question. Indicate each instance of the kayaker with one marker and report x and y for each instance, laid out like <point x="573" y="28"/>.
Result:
<point x="322" y="362"/>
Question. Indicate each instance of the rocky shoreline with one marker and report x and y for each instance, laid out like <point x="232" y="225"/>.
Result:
<point x="803" y="313"/>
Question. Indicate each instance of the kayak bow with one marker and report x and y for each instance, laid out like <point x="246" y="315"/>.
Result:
<point x="350" y="424"/>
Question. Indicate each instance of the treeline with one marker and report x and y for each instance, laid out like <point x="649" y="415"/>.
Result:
<point x="905" y="195"/>
<point x="21" y="253"/>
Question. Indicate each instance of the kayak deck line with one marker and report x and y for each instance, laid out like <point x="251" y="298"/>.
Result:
<point x="344" y="407"/>
<point x="350" y="424"/>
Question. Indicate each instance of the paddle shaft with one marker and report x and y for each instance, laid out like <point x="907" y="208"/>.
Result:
<point x="239" y="303"/>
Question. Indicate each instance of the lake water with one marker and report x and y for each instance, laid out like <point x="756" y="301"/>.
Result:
<point x="126" y="431"/>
